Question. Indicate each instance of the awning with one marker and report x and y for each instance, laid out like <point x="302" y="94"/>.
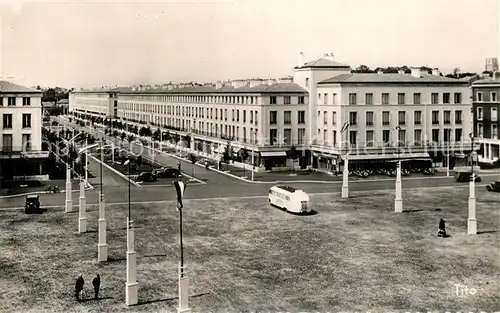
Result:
<point x="387" y="156"/>
<point x="219" y="149"/>
<point x="325" y="156"/>
<point x="273" y="154"/>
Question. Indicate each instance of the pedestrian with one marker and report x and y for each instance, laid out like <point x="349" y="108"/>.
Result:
<point x="97" y="284"/>
<point x="179" y="165"/>
<point x="79" y="287"/>
<point x="442" y="228"/>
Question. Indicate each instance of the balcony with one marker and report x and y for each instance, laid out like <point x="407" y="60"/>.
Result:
<point x="17" y="152"/>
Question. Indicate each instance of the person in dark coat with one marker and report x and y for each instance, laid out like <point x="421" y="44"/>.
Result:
<point x="179" y="165"/>
<point x="442" y="228"/>
<point x="79" y="287"/>
<point x="97" y="284"/>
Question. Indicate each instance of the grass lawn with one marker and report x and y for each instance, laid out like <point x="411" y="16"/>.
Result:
<point x="354" y="255"/>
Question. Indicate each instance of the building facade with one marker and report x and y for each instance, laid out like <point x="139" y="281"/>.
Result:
<point x="21" y="154"/>
<point x="486" y="105"/>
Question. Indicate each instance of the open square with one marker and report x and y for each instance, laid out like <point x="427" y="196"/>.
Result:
<point x="248" y="256"/>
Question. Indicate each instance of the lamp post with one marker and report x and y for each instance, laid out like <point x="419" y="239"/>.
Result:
<point x="68" y="205"/>
<point x="183" y="278"/>
<point x="398" y="200"/>
<point x="131" y="286"/>
<point x="345" y="172"/>
<point x="472" y="221"/>
<point x="254" y="142"/>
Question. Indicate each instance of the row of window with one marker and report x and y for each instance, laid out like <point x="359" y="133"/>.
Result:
<point x="12" y="101"/>
<point x="493" y="97"/>
<point x="195" y="99"/>
<point x="7" y="142"/>
<point x="493" y="114"/>
<point x="386" y="117"/>
<point x="287" y="117"/>
<point x="7" y="121"/>
<point x="387" y="137"/>
<point x="494" y="131"/>
<point x="324" y="98"/>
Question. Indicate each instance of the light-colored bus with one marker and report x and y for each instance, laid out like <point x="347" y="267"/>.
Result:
<point x="289" y="199"/>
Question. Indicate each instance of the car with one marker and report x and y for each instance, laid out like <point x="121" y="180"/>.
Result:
<point x="461" y="177"/>
<point x="168" y="172"/>
<point x="146" y="177"/>
<point x="494" y="186"/>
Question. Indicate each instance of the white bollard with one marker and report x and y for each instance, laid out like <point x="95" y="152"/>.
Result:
<point x="82" y="218"/>
<point x="345" y="181"/>
<point x="472" y="221"/>
<point x="68" y="205"/>
<point x="183" y="291"/>
<point x="102" y="247"/>
<point x="131" y="286"/>
<point x="398" y="200"/>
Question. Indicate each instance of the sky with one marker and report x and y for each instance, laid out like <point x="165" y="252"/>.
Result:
<point x="94" y="43"/>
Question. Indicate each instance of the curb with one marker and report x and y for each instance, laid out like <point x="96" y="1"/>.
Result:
<point x="43" y="192"/>
<point x="115" y="171"/>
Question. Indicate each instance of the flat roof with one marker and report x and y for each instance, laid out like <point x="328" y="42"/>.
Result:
<point x="369" y="78"/>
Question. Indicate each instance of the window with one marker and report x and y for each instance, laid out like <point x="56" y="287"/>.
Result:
<point x="26" y="120"/>
<point x="458" y="117"/>
<point x="369" y="138"/>
<point x="369" y="118"/>
<point x="494" y="97"/>
<point x="325" y="118"/>
<point x="225" y="115"/>
<point x="251" y="117"/>
<point x="287" y="134"/>
<point x="319" y="97"/>
<point x="479" y="113"/>
<point x="273" y="117"/>
<point x="353" y="138"/>
<point x="301" y="99"/>
<point x="416" y="98"/>
<point x="369" y="98"/>
<point x="417" y="117"/>
<point x="11" y="101"/>
<point x="386" y="118"/>
<point x="334" y="138"/>
<point x="458" y="97"/>
<point x="287" y="117"/>
<point x="386" y="136"/>
<point x="7" y="121"/>
<point x="435" y="135"/>
<point x="447" y="135"/>
<point x="26" y="101"/>
<point x="301" y="135"/>
<point x="256" y="119"/>
<point x="334" y="118"/>
<point x="307" y="82"/>
<point x="480" y="130"/>
<point x="494" y="114"/>
<point x="479" y="96"/>
<point x="325" y="98"/>
<point x="232" y="115"/>
<point x="353" y="118"/>
<point x="417" y="136"/>
<point x="1" y="101"/>
<point x="435" y="117"/>
<point x="325" y="137"/>
<point x="401" y="118"/>
<point x="26" y="142"/>
<point x="334" y="98"/>
<point x="273" y="136"/>
<point x="401" y="98"/>
<point x="458" y="134"/>
<point x="244" y="116"/>
<point x="286" y="100"/>
<point x="352" y="98"/>
<point x="301" y="117"/>
<point x="401" y="137"/>
<point x="237" y="115"/>
<point x="434" y="98"/>
<point x="446" y="98"/>
<point x="494" y="131"/>
<point x="7" y="143"/>
<point x="447" y="117"/>
<point x="272" y="100"/>
<point x="385" y="98"/>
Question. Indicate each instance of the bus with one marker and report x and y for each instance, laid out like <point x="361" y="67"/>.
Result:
<point x="290" y="199"/>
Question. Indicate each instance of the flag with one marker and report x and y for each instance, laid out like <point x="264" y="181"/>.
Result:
<point x="180" y="186"/>
<point x="344" y="127"/>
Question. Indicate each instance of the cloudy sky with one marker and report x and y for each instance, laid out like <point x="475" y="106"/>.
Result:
<point x="93" y="43"/>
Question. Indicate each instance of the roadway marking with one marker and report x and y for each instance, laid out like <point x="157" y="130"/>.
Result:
<point x="247" y="197"/>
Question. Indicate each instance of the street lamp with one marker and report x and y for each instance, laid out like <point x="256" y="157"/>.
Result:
<point x="68" y="205"/>
<point x="345" y="173"/>
<point x="254" y="142"/>
<point x="472" y="221"/>
<point x="131" y="286"/>
<point x="398" y="200"/>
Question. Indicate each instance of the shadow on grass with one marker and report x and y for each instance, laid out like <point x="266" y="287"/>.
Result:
<point x="155" y="255"/>
<point x="116" y="259"/>
<point x="488" y="231"/>
<point x="310" y="213"/>
<point x="169" y="299"/>
<point x="412" y="211"/>
<point x="94" y="299"/>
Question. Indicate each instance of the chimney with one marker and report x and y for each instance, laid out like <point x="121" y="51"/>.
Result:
<point x="255" y="82"/>
<point x="218" y="85"/>
<point x="301" y="59"/>
<point x="436" y="72"/>
<point x="380" y="72"/>
<point x="401" y="72"/>
<point x="415" y="72"/>
<point x="329" y="56"/>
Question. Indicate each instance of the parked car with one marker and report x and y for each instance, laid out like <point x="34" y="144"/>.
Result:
<point x="461" y="177"/>
<point x="494" y="186"/>
<point x="146" y="177"/>
<point x="168" y="172"/>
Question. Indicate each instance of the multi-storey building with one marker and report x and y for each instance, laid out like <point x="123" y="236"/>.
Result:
<point x="413" y="115"/>
<point x="486" y="105"/>
<point x="21" y="154"/>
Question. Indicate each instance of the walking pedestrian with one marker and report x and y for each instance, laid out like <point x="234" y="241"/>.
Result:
<point x="179" y="165"/>
<point x="79" y="287"/>
<point x="97" y="284"/>
<point x="442" y="228"/>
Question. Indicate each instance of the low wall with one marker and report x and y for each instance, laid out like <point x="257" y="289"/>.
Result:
<point x="31" y="178"/>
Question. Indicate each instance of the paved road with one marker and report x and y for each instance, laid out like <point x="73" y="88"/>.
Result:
<point x="109" y="178"/>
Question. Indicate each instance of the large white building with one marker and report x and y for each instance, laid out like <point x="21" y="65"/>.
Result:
<point x="21" y="152"/>
<point x="388" y="113"/>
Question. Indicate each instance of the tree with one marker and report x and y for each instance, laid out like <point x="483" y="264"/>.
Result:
<point x="363" y="69"/>
<point x="456" y="70"/>
<point x="292" y="153"/>
<point x="130" y="138"/>
<point x="157" y="134"/>
<point x="244" y="154"/>
<point x="55" y="110"/>
<point x="123" y="135"/>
